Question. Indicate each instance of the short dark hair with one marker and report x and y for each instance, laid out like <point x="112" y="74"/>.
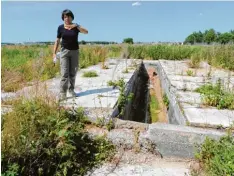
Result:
<point x="68" y="13"/>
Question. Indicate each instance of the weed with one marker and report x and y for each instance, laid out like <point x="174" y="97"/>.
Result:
<point x="100" y="121"/>
<point x="189" y="72"/>
<point x="112" y="83"/>
<point x="123" y="99"/>
<point x="214" y="95"/>
<point x="195" y="60"/>
<point x="166" y="100"/>
<point x="154" y="107"/>
<point x="217" y="155"/>
<point x="110" y="124"/>
<point x="90" y="74"/>
<point x="125" y="71"/>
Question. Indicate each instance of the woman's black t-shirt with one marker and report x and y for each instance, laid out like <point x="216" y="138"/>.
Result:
<point x="69" y="37"/>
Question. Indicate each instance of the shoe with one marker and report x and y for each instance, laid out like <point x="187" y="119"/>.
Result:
<point x="72" y="93"/>
<point x="62" y="96"/>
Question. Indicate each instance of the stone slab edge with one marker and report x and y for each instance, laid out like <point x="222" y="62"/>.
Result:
<point x="165" y="140"/>
<point x="176" y="115"/>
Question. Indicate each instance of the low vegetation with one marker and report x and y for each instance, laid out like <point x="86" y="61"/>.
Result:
<point x="49" y="140"/>
<point x="215" y="95"/>
<point x="166" y="100"/>
<point x="154" y="107"/>
<point x="90" y="74"/>
<point x="190" y="73"/>
<point x="216" y="156"/>
<point x="123" y="99"/>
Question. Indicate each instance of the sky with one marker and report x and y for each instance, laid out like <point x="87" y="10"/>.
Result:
<point x="114" y="21"/>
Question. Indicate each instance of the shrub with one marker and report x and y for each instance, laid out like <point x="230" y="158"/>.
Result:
<point x="217" y="156"/>
<point x="48" y="140"/>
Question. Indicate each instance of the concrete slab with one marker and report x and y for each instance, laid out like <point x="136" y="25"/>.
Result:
<point x="142" y="164"/>
<point x="176" y="140"/>
<point x="187" y="104"/>
<point x="208" y="116"/>
<point x="189" y="97"/>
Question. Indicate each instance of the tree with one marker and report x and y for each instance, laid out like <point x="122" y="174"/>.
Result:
<point x="195" y="37"/>
<point x="225" y="38"/>
<point x="128" y="40"/>
<point x="210" y="36"/>
<point x="83" y="42"/>
<point x="190" y="39"/>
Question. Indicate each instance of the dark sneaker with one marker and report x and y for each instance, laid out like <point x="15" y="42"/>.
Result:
<point x="72" y="93"/>
<point x="62" y="96"/>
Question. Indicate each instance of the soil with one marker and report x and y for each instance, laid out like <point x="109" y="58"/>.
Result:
<point x="158" y="92"/>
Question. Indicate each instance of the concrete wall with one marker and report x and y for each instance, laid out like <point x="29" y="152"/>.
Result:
<point x="166" y="140"/>
<point x="137" y="108"/>
<point x="176" y="140"/>
<point x="175" y="114"/>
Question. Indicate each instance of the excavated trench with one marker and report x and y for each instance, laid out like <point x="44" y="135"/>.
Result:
<point x="147" y="104"/>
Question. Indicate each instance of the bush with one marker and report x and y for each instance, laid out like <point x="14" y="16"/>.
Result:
<point x="217" y="156"/>
<point x="48" y="140"/>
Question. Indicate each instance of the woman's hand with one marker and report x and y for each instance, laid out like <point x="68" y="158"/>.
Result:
<point x="81" y="29"/>
<point x="70" y="26"/>
<point x="54" y="55"/>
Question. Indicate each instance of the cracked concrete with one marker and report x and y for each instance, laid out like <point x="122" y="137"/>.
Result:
<point x="186" y="106"/>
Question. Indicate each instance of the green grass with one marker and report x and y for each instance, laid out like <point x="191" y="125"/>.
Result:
<point x="90" y="74"/>
<point x="154" y="107"/>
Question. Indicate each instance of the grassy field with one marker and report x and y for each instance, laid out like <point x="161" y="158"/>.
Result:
<point x="47" y="135"/>
<point x="23" y="64"/>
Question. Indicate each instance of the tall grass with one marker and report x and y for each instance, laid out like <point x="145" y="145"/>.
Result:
<point x="169" y="52"/>
<point x="21" y="64"/>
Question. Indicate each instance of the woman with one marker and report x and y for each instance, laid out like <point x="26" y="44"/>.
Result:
<point x="69" y="61"/>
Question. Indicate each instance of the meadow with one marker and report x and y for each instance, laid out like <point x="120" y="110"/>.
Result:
<point x="22" y="65"/>
<point x="45" y="133"/>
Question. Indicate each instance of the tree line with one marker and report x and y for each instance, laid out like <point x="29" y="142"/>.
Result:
<point x="210" y="36"/>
